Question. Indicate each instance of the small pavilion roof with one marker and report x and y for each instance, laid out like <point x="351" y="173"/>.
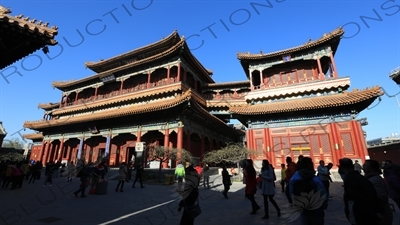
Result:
<point x="33" y="136"/>
<point x="21" y="36"/>
<point x="170" y="40"/>
<point x="329" y="101"/>
<point x="326" y="38"/>
<point x="49" y="105"/>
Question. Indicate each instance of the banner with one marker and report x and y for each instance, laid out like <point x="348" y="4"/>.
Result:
<point x="80" y="149"/>
<point x="107" y="146"/>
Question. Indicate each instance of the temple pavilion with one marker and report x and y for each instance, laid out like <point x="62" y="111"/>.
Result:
<point x="293" y="102"/>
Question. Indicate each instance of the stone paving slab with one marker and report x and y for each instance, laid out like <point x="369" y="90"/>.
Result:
<point x="154" y="204"/>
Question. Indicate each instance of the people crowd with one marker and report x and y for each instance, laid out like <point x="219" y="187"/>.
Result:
<point x="367" y="187"/>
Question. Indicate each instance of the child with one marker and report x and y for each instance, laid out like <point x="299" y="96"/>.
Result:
<point x="283" y="177"/>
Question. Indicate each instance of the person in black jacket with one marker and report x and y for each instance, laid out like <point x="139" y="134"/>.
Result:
<point x="139" y="173"/>
<point x="360" y="197"/>
<point x="189" y="195"/>
<point x="83" y="172"/>
<point x="226" y="181"/>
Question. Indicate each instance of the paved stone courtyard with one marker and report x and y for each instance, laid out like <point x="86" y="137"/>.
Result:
<point x="154" y="204"/>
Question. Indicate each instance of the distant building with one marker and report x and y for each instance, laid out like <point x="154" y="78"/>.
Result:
<point x="381" y="149"/>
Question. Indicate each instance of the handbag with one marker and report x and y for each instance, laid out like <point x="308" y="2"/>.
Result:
<point x="193" y="210"/>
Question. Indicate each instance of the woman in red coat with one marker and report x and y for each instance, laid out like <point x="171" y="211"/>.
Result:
<point x="251" y="184"/>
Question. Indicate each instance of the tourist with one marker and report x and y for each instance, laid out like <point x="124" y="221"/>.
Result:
<point x="49" y="174"/>
<point x="357" y="166"/>
<point x="360" y="198"/>
<point x="251" y="184"/>
<point x="139" y="172"/>
<point x="122" y="174"/>
<point x="283" y="177"/>
<point x="226" y="181"/>
<point x="372" y="172"/>
<point x="323" y="174"/>
<point x="8" y="174"/>
<point x="17" y="176"/>
<point x="71" y="170"/>
<point x="206" y="176"/>
<point x="391" y="174"/>
<point x="34" y="172"/>
<point x="180" y="174"/>
<point x="189" y="195"/>
<point x="83" y="172"/>
<point x="267" y="188"/>
<point x="290" y="170"/>
<point x="307" y="191"/>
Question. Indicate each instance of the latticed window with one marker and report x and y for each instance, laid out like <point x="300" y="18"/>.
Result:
<point x="314" y="144"/>
<point x="259" y="146"/>
<point x="347" y="144"/>
<point x="325" y="144"/>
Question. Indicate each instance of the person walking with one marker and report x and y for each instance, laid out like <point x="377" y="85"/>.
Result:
<point x="49" y="170"/>
<point x="190" y="194"/>
<point x="71" y="171"/>
<point x="226" y="181"/>
<point x="251" y="185"/>
<point x="283" y="177"/>
<point x="179" y="175"/>
<point x="291" y="169"/>
<point x="139" y="173"/>
<point x="372" y="172"/>
<point x="122" y="174"/>
<point x="83" y="172"/>
<point x="267" y="188"/>
<point x="206" y="176"/>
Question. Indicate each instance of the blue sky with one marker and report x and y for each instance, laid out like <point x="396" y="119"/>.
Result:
<point x="216" y="32"/>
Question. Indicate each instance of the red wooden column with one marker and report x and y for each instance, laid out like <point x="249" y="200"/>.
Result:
<point x="46" y="153"/>
<point x="261" y="80"/>
<point x="148" y="79"/>
<point x="166" y="145"/>
<point x="61" y="150"/>
<point x="122" y="85"/>
<point x="335" y="73"/>
<point x="179" y="144"/>
<point x="248" y="138"/>
<point x="95" y="92"/>
<point x="267" y="144"/>
<point x="168" y="74"/>
<point x="320" y="72"/>
<point x="333" y="136"/>
<point x="179" y="72"/>
<point x="360" y="147"/>
<point x="138" y="136"/>
<point x="41" y="152"/>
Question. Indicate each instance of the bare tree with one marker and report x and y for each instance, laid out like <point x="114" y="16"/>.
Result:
<point x="13" y="143"/>
<point x="232" y="153"/>
<point x="164" y="154"/>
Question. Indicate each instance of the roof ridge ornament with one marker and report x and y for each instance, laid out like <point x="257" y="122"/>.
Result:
<point x="5" y="10"/>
